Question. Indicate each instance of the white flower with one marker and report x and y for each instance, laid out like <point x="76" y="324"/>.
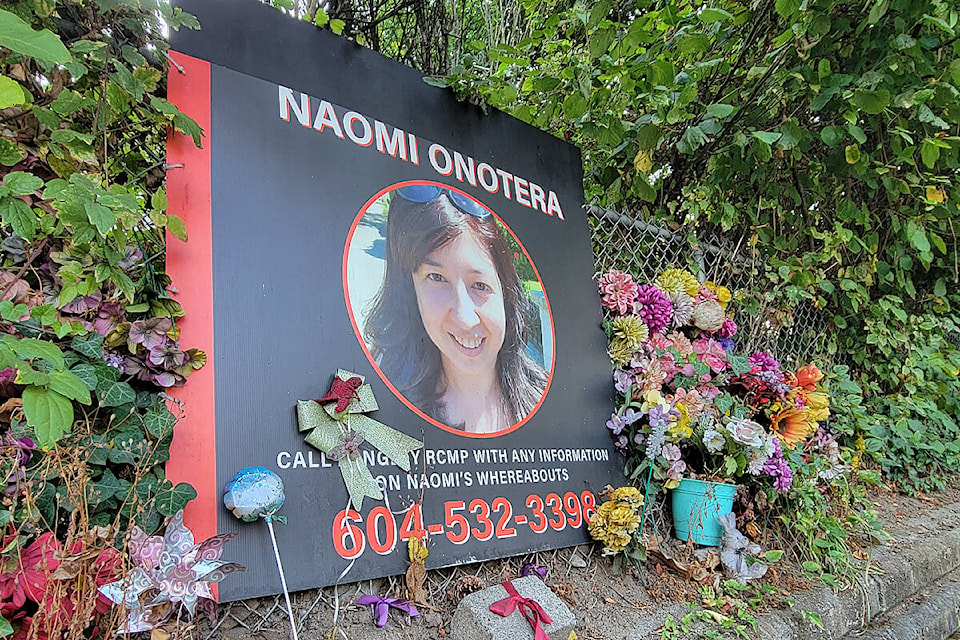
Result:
<point x="713" y="440"/>
<point x="746" y="432"/>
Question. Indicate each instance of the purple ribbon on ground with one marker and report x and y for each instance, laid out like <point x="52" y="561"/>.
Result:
<point x="381" y="607"/>
<point x="530" y="569"/>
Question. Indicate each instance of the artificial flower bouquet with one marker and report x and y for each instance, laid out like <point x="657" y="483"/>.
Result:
<point x="688" y="405"/>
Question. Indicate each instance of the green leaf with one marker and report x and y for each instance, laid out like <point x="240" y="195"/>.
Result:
<point x="831" y="136"/>
<point x="940" y="288"/>
<point x="857" y="133"/>
<point x="811" y="566"/>
<point x="13" y="312"/>
<point x="739" y="364"/>
<point x="90" y="345"/>
<point x="49" y="413"/>
<point x="321" y="18"/>
<point x="19" y="216"/>
<point x="840" y="321"/>
<point x="644" y="189"/>
<point x="114" y="394"/>
<point x="852" y="153"/>
<point x="714" y="15"/>
<point x="87" y="373"/>
<point x="929" y="153"/>
<point x="337" y="25"/>
<point x="6" y="629"/>
<point x="787" y="8"/>
<point x="10" y="152"/>
<point x="766" y="136"/>
<point x="70" y="385"/>
<point x="22" y="183"/>
<point x="693" y="138"/>
<point x="30" y="348"/>
<point x="773" y="555"/>
<point x="18" y="36"/>
<point x="159" y="421"/>
<point x="176" y="227"/>
<point x="719" y="110"/>
<point x="917" y="237"/>
<point x="11" y="93"/>
<point x="927" y="115"/>
<point x="873" y="102"/>
<point x="435" y="81"/>
<point x="574" y="105"/>
<point x="100" y="216"/>
<point x="172" y="501"/>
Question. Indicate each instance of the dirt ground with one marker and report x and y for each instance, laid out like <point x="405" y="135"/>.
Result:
<point x="609" y="604"/>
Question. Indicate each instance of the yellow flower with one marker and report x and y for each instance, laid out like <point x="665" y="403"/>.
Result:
<point x="631" y="330"/>
<point x="651" y="399"/>
<point x="674" y="280"/>
<point x="680" y="427"/>
<point x="617" y="519"/>
<point x="818" y="406"/>
<point x="630" y="495"/>
<point x="620" y="352"/>
<point x="724" y="296"/>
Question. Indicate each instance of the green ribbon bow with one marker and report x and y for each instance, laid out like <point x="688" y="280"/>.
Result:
<point x="339" y="434"/>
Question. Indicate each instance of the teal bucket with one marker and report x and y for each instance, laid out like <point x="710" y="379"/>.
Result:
<point x="696" y="505"/>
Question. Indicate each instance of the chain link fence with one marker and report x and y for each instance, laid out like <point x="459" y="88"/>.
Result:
<point x="794" y="334"/>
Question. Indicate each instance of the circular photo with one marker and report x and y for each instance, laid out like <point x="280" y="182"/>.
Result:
<point x="449" y="308"/>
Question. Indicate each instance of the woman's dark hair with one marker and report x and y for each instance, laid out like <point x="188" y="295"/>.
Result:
<point x="394" y="330"/>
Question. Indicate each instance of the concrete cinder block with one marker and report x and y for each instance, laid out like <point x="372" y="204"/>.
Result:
<point x="473" y="619"/>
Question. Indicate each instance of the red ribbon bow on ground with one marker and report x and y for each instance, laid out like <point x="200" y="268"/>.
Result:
<point x="343" y="391"/>
<point x="529" y="607"/>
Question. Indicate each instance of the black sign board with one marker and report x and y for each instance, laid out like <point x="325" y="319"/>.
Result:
<point x="345" y="215"/>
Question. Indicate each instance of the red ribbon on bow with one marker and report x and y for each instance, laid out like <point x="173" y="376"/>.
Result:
<point x="343" y="391"/>
<point x="529" y="607"/>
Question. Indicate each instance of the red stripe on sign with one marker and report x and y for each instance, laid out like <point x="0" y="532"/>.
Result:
<point x="193" y="453"/>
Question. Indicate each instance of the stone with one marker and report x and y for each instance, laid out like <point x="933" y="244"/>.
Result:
<point x="576" y="561"/>
<point x="473" y="619"/>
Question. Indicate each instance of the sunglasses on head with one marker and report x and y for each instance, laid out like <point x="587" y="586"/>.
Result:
<point x="423" y="193"/>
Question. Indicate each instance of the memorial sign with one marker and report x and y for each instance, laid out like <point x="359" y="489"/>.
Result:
<point x="343" y="216"/>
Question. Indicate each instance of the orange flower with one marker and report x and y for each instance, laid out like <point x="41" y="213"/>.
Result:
<point x="809" y="376"/>
<point x="791" y="426"/>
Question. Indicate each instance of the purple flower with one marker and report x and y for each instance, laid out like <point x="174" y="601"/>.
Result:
<point x="615" y="424"/>
<point x="660" y="415"/>
<point x="654" y="307"/>
<point x="115" y="360"/>
<point x="776" y="467"/>
<point x="630" y="416"/>
<point x="109" y="316"/>
<point x="622" y="380"/>
<point x="671" y="452"/>
<point x="150" y="333"/>
<point x="764" y="361"/>
<point x="167" y="356"/>
<point x="82" y="304"/>
<point x="727" y="345"/>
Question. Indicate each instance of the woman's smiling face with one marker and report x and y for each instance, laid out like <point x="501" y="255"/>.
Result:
<point x="460" y="298"/>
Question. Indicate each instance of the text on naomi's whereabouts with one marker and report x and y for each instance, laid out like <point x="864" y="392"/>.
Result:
<point x="479" y="519"/>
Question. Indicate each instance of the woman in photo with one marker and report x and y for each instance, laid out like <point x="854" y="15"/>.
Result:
<point x="448" y="326"/>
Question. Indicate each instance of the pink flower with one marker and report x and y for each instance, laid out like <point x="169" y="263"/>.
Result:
<point x="728" y="329"/>
<point x="619" y="291"/>
<point x="705" y="293"/>
<point x="711" y="353"/>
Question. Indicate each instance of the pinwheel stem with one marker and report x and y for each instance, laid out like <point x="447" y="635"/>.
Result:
<point x="283" y="580"/>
